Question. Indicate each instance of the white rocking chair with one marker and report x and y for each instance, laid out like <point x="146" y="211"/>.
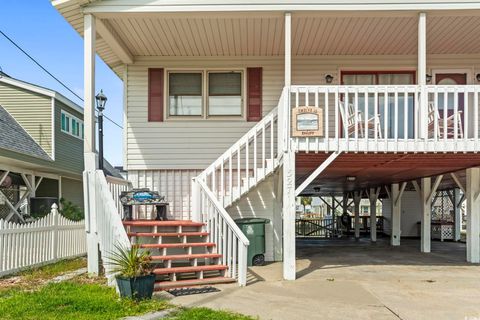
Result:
<point x="358" y="117"/>
<point x="450" y="124"/>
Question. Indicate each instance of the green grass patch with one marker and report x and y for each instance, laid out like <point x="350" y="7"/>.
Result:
<point x="53" y="270"/>
<point x="72" y="300"/>
<point x="206" y="314"/>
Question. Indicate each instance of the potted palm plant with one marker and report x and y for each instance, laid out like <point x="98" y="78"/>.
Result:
<point x="133" y="270"/>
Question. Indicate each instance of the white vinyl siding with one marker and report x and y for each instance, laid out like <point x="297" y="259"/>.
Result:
<point x="194" y="144"/>
<point x="410" y="214"/>
<point x="183" y="143"/>
<point x="32" y="111"/>
<point x="175" y="185"/>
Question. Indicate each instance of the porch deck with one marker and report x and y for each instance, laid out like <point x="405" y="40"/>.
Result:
<point x="389" y="118"/>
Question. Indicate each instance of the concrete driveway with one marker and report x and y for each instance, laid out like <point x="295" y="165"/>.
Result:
<point x="344" y="279"/>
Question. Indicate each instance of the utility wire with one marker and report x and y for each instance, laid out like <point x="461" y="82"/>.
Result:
<point x="50" y="74"/>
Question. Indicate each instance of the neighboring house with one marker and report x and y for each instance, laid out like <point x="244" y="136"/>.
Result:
<point x="41" y="147"/>
<point x="384" y="94"/>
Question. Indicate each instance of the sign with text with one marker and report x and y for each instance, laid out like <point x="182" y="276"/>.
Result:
<point x="307" y="122"/>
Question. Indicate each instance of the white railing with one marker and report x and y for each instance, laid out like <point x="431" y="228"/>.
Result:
<point x="229" y="239"/>
<point x="105" y="220"/>
<point x="246" y="163"/>
<point x="117" y="186"/>
<point x="390" y="118"/>
<point x="37" y="243"/>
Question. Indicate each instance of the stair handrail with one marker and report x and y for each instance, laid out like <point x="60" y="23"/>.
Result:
<point x="273" y="114"/>
<point x="108" y="224"/>
<point x="222" y="235"/>
<point x="224" y="213"/>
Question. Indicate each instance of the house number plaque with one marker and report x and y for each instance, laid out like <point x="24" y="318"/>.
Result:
<point x="307" y="122"/>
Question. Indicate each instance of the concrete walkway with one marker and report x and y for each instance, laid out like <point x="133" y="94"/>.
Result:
<point x="343" y="279"/>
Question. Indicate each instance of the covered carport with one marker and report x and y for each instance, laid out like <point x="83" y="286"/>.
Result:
<point x="411" y="196"/>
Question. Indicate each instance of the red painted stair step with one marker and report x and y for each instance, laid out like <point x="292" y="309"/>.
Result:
<point x="177" y="245"/>
<point x="168" y="223"/>
<point x="187" y="256"/>
<point x="167" y="234"/>
<point x="189" y="269"/>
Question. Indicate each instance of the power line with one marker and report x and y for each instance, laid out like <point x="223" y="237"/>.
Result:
<point x="50" y="74"/>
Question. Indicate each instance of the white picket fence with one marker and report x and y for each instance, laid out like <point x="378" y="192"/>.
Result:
<point x="43" y="241"/>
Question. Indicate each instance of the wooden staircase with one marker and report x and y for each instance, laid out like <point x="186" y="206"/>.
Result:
<point x="181" y="252"/>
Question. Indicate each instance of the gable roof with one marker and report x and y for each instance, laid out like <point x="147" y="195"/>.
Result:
<point x="40" y="90"/>
<point x="15" y="138"/>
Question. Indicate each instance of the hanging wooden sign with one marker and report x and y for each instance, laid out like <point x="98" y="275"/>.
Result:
<point x="307" y="122"/>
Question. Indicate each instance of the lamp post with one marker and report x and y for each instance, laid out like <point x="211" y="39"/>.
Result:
<point x="101" y="101"/>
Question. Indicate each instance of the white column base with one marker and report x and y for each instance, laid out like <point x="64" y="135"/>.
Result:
<point x="289" y="264"/>
<point x="93" y="256"/>
<point x="277" y="217"/>
<point x="425" y="242"/>
<point x="356" y="201"/>
<point x="373" y="215"/>
<point x="396" y="215"/>
<point x="458" y="214"/>
<point x="473" y="215"/>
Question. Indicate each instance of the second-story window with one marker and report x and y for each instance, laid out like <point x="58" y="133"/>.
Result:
<point x="185" y="93"/>
<point x="203" y="94"/>
<point x="224" y="94"/>
<point x="71" y="125"/>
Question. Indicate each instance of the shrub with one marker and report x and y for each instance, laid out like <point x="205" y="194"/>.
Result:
<point x="71" y="211"/>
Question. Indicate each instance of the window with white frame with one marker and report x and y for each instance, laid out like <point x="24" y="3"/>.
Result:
<point x="222" y="96"/>
<point x="71" y="125"/>
<point x="185" y="93"/>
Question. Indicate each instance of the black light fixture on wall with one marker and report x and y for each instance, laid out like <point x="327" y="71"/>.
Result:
<point x="328" y="78"/>
<point x="428" y="78"/>
<point x="477" y="76"/>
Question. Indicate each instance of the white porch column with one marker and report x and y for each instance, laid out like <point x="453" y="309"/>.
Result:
<point x="373" y="214"/>
<point x="288" y="49"/>
<point x="356" y="203"/>
<point x="89" y="142"/>
<point x="457" y="213"/>
<point x="426" y="205"/>
<point x="473" y="215"/>
<point x="396" y="215"/>
<point x="422" y="73"/>
<point x="289" y="268"/>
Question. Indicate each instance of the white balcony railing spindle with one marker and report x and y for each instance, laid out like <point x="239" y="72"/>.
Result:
<point x="391" y="118"/>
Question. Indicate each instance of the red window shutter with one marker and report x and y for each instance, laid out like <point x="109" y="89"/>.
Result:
<point x="155" y="94"/>
<point x="254" y="94"/>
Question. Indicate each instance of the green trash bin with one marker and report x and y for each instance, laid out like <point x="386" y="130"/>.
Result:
<point x="254" y="230"/>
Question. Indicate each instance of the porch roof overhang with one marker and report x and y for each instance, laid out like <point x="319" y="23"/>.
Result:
<point x="381" y="169"/>
<point x="130" y="29"/>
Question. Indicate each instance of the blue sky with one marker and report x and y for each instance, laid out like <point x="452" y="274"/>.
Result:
<point x="40" y="30"/>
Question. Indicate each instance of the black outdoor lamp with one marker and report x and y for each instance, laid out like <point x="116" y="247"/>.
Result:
<point x="101" y="101"/>
<point x="328" y="78"/>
